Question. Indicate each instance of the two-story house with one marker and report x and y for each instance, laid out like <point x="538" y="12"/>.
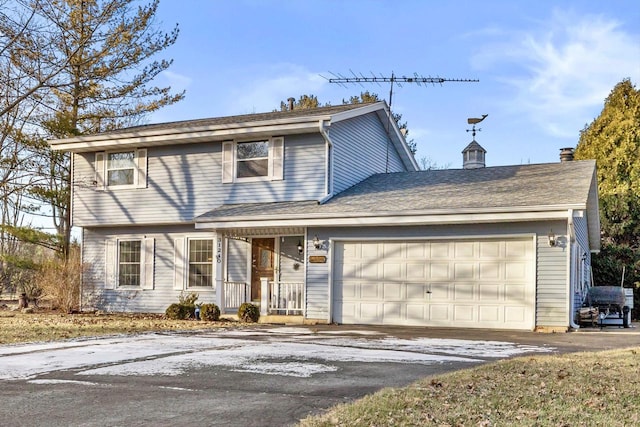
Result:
<point x="322" y="215"/>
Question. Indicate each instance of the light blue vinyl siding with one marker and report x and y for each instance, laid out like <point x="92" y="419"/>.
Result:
<point x="360" y="150"/>
<point x="551" y="263"/>
<point x="291" y="262"/>
<point x="238" y="253"/>
<point x="185" y="181"/>
<point x="154" y="300"/>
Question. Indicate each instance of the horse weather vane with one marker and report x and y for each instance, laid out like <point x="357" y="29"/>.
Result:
<point x="474" y="121"/>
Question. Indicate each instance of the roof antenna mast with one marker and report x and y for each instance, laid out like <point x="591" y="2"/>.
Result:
<point x="393" y="79"/>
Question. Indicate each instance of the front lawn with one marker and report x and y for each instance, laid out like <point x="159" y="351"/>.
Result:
<point x="578" y="389"/>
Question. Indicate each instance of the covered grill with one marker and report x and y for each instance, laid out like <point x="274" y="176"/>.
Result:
<point x="606" y="302"/>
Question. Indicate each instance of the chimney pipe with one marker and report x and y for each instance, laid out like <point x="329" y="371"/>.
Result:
<point x="566" y="154"/>
<point x="291" y="101"/>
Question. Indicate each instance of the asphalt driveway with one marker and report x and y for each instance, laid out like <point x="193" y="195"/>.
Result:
<point x="263" y="376"/>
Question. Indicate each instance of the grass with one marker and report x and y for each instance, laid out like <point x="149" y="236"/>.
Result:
<point x="16" y="327"/>
<point x="578" y="389"/>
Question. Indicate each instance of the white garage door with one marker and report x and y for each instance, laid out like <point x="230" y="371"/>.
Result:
<point x="457" y="283"/>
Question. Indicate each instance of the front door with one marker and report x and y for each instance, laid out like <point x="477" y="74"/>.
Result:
<point x="262" y="263"/>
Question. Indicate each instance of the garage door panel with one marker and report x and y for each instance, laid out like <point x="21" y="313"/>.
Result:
<point x="440" y="250"/>
<point x="417" y="292"/>
<point x="486" y="283"/>
<point x="464" y="292"/>
<point x="489" y="270"/>
<point x="391" y="271"/>
<point x="463" y="271"/>
<point x="392" y="291"/>
<point x="490" y="292"/>
<point x="370" y="290"/>
<point x="489" y="313"/>
<point x="439" y="271"/>
<point x="463" y="313"/>
<point x="464" y="249"/>
<point x="440" y="312"/>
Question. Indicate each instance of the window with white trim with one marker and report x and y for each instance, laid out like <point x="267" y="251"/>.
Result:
<point x="200" y="262"/>
<point x="129" y="258"/>
<point x="121" y="169"/>
<point x="129" y="262"/>
<point x="253" y="160"/>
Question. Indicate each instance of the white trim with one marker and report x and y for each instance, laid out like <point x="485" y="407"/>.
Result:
<point x="187" y="263"/>
<point x="424" y="219"/>
<point x="121" y="141"/>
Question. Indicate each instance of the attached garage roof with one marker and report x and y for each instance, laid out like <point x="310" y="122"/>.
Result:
<point x="540" y="187"/>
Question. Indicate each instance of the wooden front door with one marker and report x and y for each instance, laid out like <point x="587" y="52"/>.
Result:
<point x="262" y="263"/>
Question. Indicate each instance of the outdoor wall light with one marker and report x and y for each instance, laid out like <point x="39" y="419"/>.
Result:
<point x="552" y="238"/>
<point x="300" y="247"/>
<point x="316" y="242"/>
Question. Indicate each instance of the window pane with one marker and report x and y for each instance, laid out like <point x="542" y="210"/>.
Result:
<point x="201" y="262"/>
<point x="129" y="263"/>
<point x="120" y="177"/>
<point x="250" y="168"/>
<point x="121" y="160"/>
<point x="253" y="150"/>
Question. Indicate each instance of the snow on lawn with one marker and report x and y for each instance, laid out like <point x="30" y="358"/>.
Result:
<point x="297" y="352"/>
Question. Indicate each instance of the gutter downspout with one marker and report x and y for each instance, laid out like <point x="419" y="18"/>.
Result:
<point x="328" y="164"/>
<point x="571" y="233"/>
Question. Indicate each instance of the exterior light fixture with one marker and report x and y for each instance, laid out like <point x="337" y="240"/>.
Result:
<point x="300" y="247"/>
<point x="316" y="242"/>
<point x="552" y="238"/>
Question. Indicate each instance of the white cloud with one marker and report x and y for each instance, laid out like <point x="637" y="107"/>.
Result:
<point x="562" y="71"/>
<point x="177" y="81"/>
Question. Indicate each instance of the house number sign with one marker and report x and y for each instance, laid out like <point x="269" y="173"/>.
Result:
<point x="219" y="250"/>
<point x="317" y="259"/>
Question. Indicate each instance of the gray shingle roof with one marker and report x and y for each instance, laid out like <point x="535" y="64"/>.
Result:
<point x="244" y="118"/>
<point x="509" y="187"/>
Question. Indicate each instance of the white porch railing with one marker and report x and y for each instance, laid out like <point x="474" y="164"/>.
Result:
<point x="235" y="293"/>
<point x="286" y="298"/>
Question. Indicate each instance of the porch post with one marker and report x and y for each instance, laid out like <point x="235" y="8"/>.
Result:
<point x="264" y="296"/>
<point x="220" y="265"/>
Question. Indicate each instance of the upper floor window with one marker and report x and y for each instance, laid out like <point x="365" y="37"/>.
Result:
<point x="121" y="169"/>
<point x="253" y="160"/>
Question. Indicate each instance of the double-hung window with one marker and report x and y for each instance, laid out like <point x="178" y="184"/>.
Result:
<point x="129" y="263"/>
<point x="121" y="169"/>
<point x="129" y="257"/>
<point x="254" y="160"/>
<point x="200" y="263"/>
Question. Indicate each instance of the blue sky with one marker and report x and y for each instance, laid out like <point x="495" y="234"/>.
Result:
<point x="545" y="67"/>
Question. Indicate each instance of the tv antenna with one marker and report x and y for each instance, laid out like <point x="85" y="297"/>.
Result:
<point x="474" y="121"/>
<point x="392" y="80"/>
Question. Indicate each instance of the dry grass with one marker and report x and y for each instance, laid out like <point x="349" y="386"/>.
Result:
<point x="579" y="389"/>
<point x="18" y="327"/>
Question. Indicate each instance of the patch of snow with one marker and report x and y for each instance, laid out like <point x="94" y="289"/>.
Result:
<point x="64" y="382"/>
<point x="289" y="369"/>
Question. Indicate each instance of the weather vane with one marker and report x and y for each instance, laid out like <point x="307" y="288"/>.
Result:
<point x="474" y="121"/>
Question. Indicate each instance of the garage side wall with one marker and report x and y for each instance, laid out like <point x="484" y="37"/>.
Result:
<point x="551" y="262"/>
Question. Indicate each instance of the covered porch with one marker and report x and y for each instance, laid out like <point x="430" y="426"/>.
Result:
<point x="265" y="267"/>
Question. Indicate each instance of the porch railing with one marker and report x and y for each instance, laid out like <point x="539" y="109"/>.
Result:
<point x="235" y="293"/>
<point x="286" y="298"/>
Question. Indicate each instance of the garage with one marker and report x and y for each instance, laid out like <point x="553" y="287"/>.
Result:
<point x="484" y="283"/>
